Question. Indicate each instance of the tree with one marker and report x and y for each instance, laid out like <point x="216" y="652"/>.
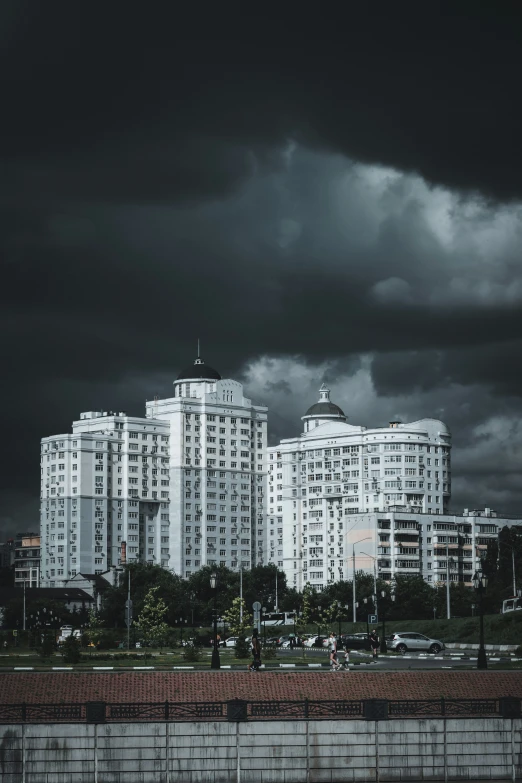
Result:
<point x="414" y="599"/>
<point x="239" y="626"/>
<point x="259" y="584"/>
<point x="172" y="589"/>
<point x="151" y="623"/>
<point x="70" y="649"/>
<point x="94" y="627"/>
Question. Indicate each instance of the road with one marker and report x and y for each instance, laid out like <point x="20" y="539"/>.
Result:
<point x="411" y="660"/>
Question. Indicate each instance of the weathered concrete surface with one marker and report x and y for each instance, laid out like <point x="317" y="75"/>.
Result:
<point x="263" y="752"/>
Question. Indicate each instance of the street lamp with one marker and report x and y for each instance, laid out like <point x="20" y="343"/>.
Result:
<point x="215" y="663"/>
<point x="480" y="582"/>
<point x="384" y="646"/>
<point x="368" y="538"/>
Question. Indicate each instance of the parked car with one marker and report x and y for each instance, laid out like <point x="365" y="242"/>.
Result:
<point x="354" y="641"/>
<point x="297" y="642"/>
<point x="316" y="641"/>
<point x="231" y="641"/>
<point x="401" y="642"/>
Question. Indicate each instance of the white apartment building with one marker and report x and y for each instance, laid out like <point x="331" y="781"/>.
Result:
<point x="334" y="473"/>
<point x="433" y="546"/>
<point x="218" y="442"/>
<point x="104" y="496"/>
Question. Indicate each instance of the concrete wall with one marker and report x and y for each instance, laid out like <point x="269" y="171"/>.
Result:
<point x="263" y="752"/>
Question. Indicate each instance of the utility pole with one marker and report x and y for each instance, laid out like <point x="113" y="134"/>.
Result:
<point x="353" y="592"/>
<point x="375" y="585"/>
<point x="448" y="607"/>
<point x="24" y="604"/>
<point x="128" y="614"/>
<point x="514" y="576"/>
<point x="276" y="602"/>
<point x="241" y="594"/>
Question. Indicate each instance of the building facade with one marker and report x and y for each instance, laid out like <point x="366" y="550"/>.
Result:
<point x="321" y="483"/>
<point x="182" y="488"/>
<point x="27" y="560"/>
<point x="218" y="440"/>
<point x="104" y="489"/>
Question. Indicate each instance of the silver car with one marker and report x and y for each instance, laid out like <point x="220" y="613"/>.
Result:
<point x="401" y="642"/>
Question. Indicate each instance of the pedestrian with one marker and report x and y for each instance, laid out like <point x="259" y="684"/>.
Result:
<point x="346" y="657"/>
<point x="292" y="642"/>
<point x="332" y="647"/>
<point x="256" y="653"/>
<point x="374" y="643"/>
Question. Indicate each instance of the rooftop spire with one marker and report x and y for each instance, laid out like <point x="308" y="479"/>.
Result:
<point x="199" y="360"/>
<point x="324" y="393"/>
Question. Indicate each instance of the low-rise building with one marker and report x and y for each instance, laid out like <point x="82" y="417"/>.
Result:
<point x="27" y="560"/>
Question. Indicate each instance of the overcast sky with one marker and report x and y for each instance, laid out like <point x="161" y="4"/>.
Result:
<point x="333" y="198"/>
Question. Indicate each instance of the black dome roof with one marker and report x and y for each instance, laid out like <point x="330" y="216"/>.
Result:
<point x="199" y="370"/>
<point x="324" y="409"/>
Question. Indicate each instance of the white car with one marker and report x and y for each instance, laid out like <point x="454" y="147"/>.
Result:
<point x="231" y="641"/>
<point x="402" y="642"/>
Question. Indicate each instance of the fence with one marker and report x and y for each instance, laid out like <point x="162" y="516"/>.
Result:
<point x="239" y="710"/>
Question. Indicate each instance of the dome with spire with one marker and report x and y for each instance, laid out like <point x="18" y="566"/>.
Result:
<point x="324" y="408"/>
<point x="200" y="371"/>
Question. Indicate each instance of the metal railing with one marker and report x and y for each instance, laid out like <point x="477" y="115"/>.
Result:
<point x="241" y="710"/>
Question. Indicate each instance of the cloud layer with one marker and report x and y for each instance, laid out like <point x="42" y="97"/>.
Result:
<point x="340" y="211"/>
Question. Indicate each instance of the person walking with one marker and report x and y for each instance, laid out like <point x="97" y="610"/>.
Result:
<point x="374" y="643"/>
<point x="332" y="647"/>
<point x="256" y="652"/>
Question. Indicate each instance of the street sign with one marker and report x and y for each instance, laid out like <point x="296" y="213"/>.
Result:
<point x="256" y="606"/>
<point x="373" y="619"/>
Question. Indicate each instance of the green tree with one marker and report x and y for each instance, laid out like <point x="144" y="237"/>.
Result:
<point x="70" y="649"/>
<point x="151" y="620"/>
<point x="94" y="629"/>
<point x="239" y="626"/>
<point x="172" y="589"/>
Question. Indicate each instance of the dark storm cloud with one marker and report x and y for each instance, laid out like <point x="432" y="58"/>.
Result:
<point x="159" y="186"/>
<point x="424" y="88"/>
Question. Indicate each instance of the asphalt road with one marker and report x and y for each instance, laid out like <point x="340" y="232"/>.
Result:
<point x="411" y="660"/>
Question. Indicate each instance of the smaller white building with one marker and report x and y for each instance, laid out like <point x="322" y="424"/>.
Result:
<point x="322" y="483"/>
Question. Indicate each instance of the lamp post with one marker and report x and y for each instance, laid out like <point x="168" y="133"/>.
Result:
<point x="365" y="601"/>
<point x="480" y="582"/>
<point x="384" y="646"/>
<point x="215" y="663"/>
<point x="368" y="538"/>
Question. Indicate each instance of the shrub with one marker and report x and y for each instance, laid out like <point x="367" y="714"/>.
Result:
<point x="191" y="653"/>
<point x="71" y="650"/>
<point x="47" y="647"/>
<point x="242" y="649"/>
<point x="268" y="653"/>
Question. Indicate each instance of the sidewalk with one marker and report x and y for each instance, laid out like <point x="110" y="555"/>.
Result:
<point x="490" y="647"/>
